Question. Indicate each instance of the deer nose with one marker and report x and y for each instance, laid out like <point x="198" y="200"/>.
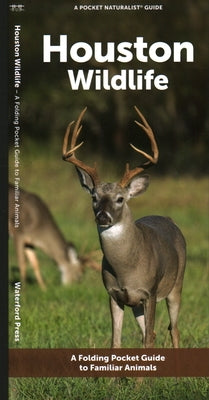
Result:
<point x="103" y="218"/>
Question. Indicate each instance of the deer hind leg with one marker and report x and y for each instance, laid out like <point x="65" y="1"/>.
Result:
<point x="173" y="305"/>
<point x="33" y="260"/>
<point x="117" y="312"/>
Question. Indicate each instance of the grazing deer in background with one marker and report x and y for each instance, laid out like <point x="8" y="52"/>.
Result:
<point x="38" y="228"/>
<point x="143" y="261"/>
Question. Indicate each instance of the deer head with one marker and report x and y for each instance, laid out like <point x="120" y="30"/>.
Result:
<point x="109" y="199"/>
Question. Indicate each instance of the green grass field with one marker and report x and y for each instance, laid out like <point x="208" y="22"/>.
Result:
<point x="78" y="316"/>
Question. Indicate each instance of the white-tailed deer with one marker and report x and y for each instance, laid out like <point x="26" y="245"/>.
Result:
<point x="144" y="261"/>
<point x="37" y="228"/>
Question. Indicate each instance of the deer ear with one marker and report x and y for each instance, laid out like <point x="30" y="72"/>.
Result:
<point x="138" y="185"/>
<point x="85" y="180"/>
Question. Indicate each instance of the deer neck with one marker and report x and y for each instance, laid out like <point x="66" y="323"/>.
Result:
<point x="121" y="240"/>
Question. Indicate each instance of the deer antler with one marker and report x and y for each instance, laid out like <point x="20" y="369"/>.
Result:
<point x="69" y="155"/>
<point x="129" y="174"/>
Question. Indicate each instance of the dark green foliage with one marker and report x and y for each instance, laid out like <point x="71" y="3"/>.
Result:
<point x="178" y="115"/>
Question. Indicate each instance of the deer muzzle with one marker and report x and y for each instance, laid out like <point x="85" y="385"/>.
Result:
<point x="104" y="219"/>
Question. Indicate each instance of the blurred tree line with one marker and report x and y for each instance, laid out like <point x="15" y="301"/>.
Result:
<point x="179" y="116"/>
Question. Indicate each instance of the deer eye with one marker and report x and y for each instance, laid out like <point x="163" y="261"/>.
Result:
<point x="94" y="198"/>
<point x="120" y="200"/>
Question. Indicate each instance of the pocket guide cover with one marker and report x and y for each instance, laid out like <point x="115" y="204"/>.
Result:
<point x="106" y="75"/>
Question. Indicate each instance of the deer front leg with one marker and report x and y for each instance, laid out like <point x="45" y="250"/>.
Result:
<point x="33" y="260"/>
<point x="19" y="247"/>
<point x="139" y="315"/>
<point x="117" y="313"/>
<point x="149" y="314"/>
